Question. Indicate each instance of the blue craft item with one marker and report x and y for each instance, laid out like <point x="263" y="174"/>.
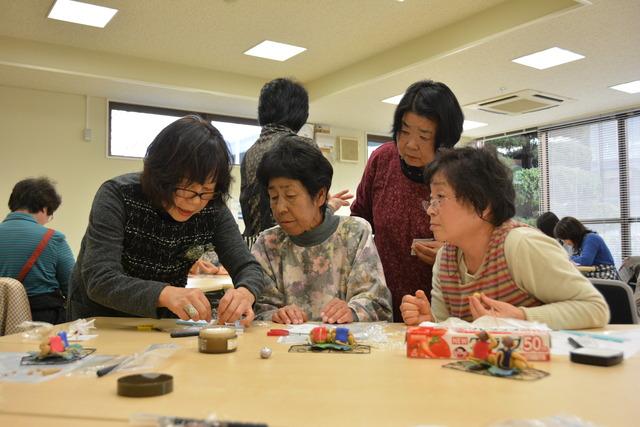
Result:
<point x="342" y="335"/>
<point x="63" y="336"/>
<point x="500" y="372"/>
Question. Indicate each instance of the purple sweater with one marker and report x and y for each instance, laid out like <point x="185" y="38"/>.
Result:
<point x="391" y="203"/>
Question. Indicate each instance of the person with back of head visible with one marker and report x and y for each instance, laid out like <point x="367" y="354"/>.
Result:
<point x="147" y="229"/>
<point x="283" y="109"/>
<point x="546" y="222"/>
<point x="24" y="237"/>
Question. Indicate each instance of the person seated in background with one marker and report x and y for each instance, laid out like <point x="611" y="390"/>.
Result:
<point x="491" y="264"/>
<point x="147" y="229"/>
<point x="318" y="266"/>
<point x="38" y="257"/>
<point x="589" y="249"/>
<point x="546" y="223"/>
<point x="283" y="108"/>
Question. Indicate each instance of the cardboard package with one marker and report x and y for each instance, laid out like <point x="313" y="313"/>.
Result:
<point x="436" y="342"/>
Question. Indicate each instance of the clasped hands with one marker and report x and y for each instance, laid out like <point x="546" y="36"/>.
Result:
<point x="336" y="311"/>
<point x="416" y="309"/>
<point x="192" y="304"/>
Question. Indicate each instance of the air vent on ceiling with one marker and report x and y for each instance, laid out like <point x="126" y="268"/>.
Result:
<point x="514" y="104"/>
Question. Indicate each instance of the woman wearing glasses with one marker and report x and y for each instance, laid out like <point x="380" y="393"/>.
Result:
<point x="147" y="229"/>
<point x="491" y="264"/>
<point x="392" y="187"/>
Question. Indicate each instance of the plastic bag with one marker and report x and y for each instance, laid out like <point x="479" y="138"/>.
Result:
<point x="150" y="359"/>
<point x="35" y="331"/>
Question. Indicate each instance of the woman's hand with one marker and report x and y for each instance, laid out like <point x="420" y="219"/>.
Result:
<point x="484" y="306"/>
<point x="203" y="267"/>
<point x="337" y="311"/>
<point x="289" y="314"/>
<point x="234" y="304"/>
<point x="416" y="309"/>
<point x="187" y="304"/>
<point x="338" y="200"/>
<point x="426" y="251"/>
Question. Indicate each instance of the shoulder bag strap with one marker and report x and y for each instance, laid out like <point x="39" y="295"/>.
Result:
<point x="35" y="255"/>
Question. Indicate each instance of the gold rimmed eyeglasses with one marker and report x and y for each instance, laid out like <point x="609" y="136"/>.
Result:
<point x="435" y="202"/>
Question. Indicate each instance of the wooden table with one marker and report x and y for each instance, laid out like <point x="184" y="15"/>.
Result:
<point x="384" y="388"/>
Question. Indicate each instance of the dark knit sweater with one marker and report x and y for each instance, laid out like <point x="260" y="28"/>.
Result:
<point x="392" y="204"/>
<point x="131" y="251"/>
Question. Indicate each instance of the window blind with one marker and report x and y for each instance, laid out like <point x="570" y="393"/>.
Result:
<point x="591" y="171"/>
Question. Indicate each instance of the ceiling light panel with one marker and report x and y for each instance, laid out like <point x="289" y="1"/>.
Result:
<point x="395" y="100"/>
<point x="548" y="58"/>
<point x="470" y="124"/>
<point x="82" y="13"/>
<point x="274" y="50"/>
<point x="631" y="87"/>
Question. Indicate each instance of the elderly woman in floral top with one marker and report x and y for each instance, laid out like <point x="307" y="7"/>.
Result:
<point x="317" y="266"/>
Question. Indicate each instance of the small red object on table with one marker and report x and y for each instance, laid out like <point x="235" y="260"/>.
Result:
<point x="277" y="332"/>
<point x="56" y="344"/>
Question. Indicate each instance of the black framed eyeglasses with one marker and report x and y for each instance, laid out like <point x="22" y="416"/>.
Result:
<point x="185" y="193"/>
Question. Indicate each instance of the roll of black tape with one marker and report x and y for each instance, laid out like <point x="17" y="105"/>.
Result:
<point x="145" y="385"/>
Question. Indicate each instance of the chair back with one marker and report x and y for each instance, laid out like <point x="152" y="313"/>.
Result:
<point x="636" y="297"/>
<point x="14" y="305"/>
<point x="629" y="271"/>
<point x="620" y="299"/>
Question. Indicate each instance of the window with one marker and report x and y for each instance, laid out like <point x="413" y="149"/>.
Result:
<point x="133" y="127"/>
<point x="375" y="141"/>
<point x="239" y="137"/>
<point x="592" y="172"/>
<point x="520" y="153"/>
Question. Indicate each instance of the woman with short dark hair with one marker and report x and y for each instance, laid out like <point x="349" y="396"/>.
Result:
<point x="392" y="187"/>
<point x="491" y="264"/>
<point x="318" y="266"/>
<point x="283" y="109"/>
<point x="24" y="237"/>
<point x="35" y="195"/>
<point x="589" y="249"/>
<point x="147" y="229"/>
<point x="283" y="102"/>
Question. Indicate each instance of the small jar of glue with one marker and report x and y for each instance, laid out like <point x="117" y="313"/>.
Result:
<point x="217" y="339"/>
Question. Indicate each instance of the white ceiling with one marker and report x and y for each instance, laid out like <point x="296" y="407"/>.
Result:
<point x="188" y="54"/>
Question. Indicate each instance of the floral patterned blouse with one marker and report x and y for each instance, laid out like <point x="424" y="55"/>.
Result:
<point x="346" y="266"/>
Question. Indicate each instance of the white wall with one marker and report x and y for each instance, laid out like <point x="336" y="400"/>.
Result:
<point x="346" y="176"/>
<point x="42" y="134"/>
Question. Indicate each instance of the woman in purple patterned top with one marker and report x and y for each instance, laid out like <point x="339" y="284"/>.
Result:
<point x="392" y="188"/>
